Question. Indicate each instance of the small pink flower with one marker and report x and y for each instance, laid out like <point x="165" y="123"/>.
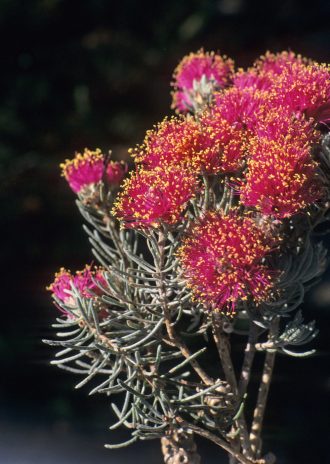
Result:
<point x="281" y="122"/>
<point x="195" y="66"/>
<point x="222" y="259"/>
<point x="266" y="70"/>
<point x="263" y="74"/>
<point x="88" y="169"/>
<point x="150" y="198"/>
<point x="115" y="173"/>
<point x="85" y="282"/>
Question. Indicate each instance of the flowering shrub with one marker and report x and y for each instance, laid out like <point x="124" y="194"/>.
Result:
<point x="211" y="234"/>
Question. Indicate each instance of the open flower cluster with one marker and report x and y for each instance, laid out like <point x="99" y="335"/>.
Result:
<point x="247" y="137"/>
<point x="260" y="129"/>
<point x="223" y="260"/>
<point x="151" y="198"/>
<point x="173" y="141"/>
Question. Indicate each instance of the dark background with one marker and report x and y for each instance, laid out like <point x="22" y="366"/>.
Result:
<point x="96" y="73"/>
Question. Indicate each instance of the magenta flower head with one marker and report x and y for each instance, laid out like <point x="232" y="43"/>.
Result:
<point x="209" y="146"/>
<point x="86" y="170"/>
<point x="282" y="177"/>
<point x="172" y="142"/>
<point x="152" y="198"/>
<point x="222" y="260"/>
<point x="242" y="108"/>
<point x="252" y="79"/>
<point x="261" y="76"/>
<point x="305" y="89"/>
<point x="222" y="144"/>
<point x="198" y="75"/>
<point x="276" y="63"/>
<point x="85" y="282"/>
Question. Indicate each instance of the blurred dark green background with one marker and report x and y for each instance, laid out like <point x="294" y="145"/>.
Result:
<point x="96" y="73"/>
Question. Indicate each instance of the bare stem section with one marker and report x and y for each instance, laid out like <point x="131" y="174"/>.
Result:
<point x="179" y="448"/>
<point x="223" y="444"/>
<point x="223" y="346"/>
<point x="171" y="332"/>
<point x="259" y="412"/>
<point x="249" y="354"/>
<point x="222" y="342"/>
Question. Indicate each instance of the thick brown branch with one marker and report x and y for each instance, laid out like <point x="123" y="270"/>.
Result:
<point x="223" y="347"/>
<point x="248" y="360"/>
<point x="185" y="350"/>
<point x="179" y="448"/>
<point x="259" y="412"/>
<point x="168" y="322"/>
<point x="223" y="444"/>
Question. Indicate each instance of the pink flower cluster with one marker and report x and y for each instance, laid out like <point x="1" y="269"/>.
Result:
<point x="85" y="282"/>
<point x="155" y="197"/>
<point x="222" y="257"/>
<point x="214" y="68"/>
<point x="281" y="177"/>
<point x="173" y="141"/>
<point x="260" y="122"/>
<point x="257" y="133"/>
<point x="251" y="133"/>
<point x="262" y="131"/>
<point x="209" y="146"/>
<point x="88" y="169"/>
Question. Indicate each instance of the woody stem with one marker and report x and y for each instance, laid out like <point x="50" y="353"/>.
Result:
<point x="259" y="412"/>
